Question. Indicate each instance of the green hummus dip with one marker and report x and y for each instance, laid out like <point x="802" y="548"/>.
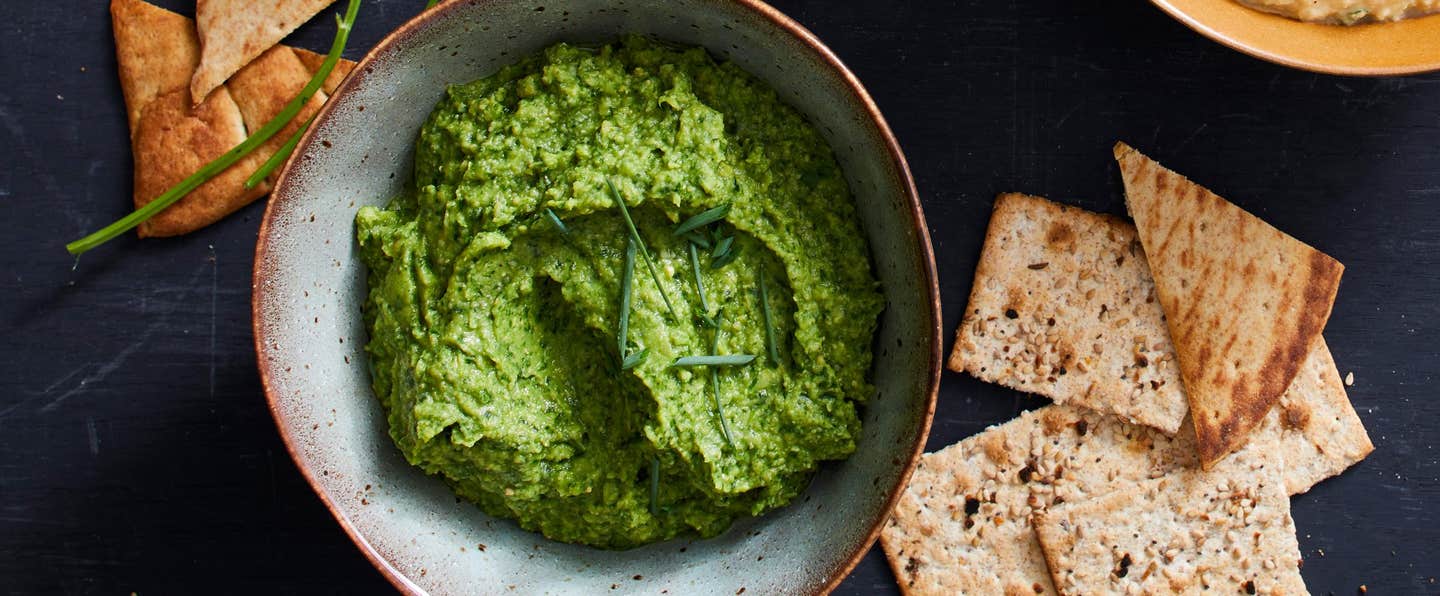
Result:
<point x="494" y="327"/>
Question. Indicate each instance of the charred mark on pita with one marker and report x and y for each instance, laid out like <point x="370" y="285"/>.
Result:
<point x="1011" y="314"/>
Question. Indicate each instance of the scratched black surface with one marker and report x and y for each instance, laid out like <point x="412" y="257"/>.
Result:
<point x="137" y="453"/>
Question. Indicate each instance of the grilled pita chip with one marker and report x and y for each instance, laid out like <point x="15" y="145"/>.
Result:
<point x="156" y="50"/>
<point x="1245" y="303"/>
<point x="172" y="141"/>
<point x="234" y="32"/>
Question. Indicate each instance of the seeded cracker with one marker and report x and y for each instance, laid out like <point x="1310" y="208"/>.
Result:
<point x="963" y="524"/>
<point x="1063" y="306"/>
<point x="1245" y="303"/>
<point x="1314" y="430"/>
<point x="1226" y="531"/>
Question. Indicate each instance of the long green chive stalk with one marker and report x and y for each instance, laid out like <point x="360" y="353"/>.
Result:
<point x="235" y="154"/>
<point x="279" y="157"/>
<point x="699" y="285"/>
<point x="715" y="384"/>
<point x="715" y="360"/>
<point x="627" y="279"/>
<point x="770" y="347"/>
<point x="644" y="252"/>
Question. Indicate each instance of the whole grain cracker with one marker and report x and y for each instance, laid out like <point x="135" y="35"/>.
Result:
<point x="1225" y="531"/>
<point x="962" y="526"/>
<point x="1314" y="431"/>
<point x="1245" y="303"/>
<point x="937" y="541"/>
<point x="1063" y="306"/>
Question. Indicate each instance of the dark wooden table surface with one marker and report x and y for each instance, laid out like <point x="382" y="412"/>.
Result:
<point x="137" y="453"/>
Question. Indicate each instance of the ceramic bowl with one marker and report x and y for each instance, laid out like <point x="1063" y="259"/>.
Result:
<point x="1403" y="47"/>
<point x="309" y="286"/>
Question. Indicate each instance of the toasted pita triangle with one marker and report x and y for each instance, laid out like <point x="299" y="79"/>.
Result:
<point x="312" y="62"/>
<point x="262" y="89"/>
<point x="157" y="50"/>
<point x="171" y="141"/>
<point x="1245" y="303"/>
<point x="234" y="32"/>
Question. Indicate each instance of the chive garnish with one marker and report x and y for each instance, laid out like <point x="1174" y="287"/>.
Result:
<point x="715" y="384"/>
<point x="279" y="157"/>
<point x="699" y="285"/>
<point x="714" y="360"/>
<point x="726" y="258"/>
<point x="722" y="247"/>
<point x="229" y="158"/>
<point x="698" y="239"/>
<point x="654" y="485"/>
<point x="635" y="235"/>
<point x="555" y="220"/>
<point x="627" y="278"/>
<point x="770" y="348"/>
<point x="702" y="219"/>
<point x="634" y="359"/>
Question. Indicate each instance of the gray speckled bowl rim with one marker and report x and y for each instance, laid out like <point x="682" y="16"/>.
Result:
<point x="892" y="146"/>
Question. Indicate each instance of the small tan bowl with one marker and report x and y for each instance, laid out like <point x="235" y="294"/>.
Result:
<point x="1404" y="47"/>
